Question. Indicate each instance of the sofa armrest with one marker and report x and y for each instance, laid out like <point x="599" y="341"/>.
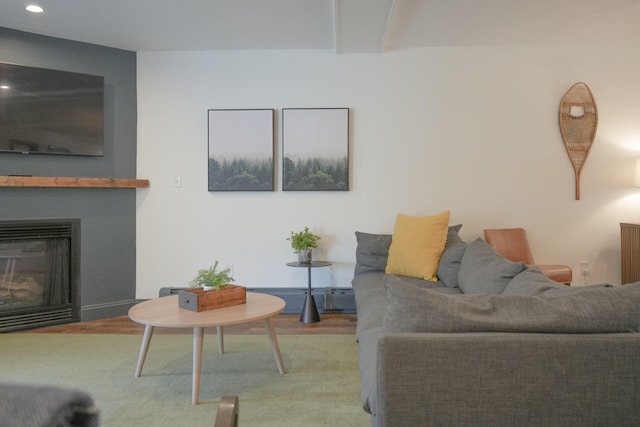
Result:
<point x="508" y="379"/>
<point x="228" y="412"/>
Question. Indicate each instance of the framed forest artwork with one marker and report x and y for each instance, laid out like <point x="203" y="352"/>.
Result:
<point x="315" y="149"/>
<point x="240" y="156"/>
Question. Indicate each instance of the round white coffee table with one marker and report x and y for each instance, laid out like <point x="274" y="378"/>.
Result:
<point x="164" y="312"/>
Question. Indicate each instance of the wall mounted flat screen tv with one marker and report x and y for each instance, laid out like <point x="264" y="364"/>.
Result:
<point x="46" y="111"/>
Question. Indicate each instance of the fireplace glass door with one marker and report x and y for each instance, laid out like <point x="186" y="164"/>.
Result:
<point x="35" y="273"/>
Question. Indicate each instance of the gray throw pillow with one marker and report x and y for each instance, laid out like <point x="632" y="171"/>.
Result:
<point x="372" y="251"/>
<point x="533" y="282"/>
<point x="451" y="258"/>
<point x="485" y="271"/>
<point x="601" y="310"/>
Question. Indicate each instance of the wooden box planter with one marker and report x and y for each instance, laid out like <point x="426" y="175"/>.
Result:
<point x="197" y="299"/>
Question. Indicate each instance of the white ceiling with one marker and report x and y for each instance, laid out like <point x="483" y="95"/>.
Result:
<point x="341" y="26"/>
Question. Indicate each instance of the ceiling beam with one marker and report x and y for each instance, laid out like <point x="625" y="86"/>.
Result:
<point x="387" y="27"/>
<point x="361" y="24"/>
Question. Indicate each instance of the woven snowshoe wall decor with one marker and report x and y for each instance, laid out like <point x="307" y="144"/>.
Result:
<point x="578" y="124"/>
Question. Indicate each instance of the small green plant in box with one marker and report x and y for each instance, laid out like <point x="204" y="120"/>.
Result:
<point x="211" y="278"/>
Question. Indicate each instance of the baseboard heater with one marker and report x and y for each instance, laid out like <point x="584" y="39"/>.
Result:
<point x="328" y="300"/>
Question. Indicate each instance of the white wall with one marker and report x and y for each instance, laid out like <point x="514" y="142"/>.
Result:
<point x="473" y="130"/>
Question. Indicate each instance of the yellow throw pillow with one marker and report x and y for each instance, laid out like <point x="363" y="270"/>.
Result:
<point x="417" y="245"/>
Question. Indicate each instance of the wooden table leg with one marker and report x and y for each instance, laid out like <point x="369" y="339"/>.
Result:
<point x="198" y="338"/>
<point x="274" y="345"/>
<point x="146" y="339"/>
<point x="220" y="332"/>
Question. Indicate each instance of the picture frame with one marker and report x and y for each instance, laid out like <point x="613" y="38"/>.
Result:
<point x="315" y="149"/>
<point x="241" y="150"/>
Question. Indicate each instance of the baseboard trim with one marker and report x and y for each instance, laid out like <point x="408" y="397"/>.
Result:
<point x="106" y="310"/>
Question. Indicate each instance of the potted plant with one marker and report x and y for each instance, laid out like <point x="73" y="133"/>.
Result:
<point x="210" y="278"/>
<point x="302" y="243"/>
<point x="211" y="290"/>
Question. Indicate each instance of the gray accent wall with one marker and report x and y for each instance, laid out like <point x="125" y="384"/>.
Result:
<point x="108" y="216"/>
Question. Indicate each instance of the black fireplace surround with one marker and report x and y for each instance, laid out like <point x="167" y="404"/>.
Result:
<point x="39" y="273"/>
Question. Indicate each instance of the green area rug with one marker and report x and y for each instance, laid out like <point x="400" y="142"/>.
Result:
<point x="321" y="386"/>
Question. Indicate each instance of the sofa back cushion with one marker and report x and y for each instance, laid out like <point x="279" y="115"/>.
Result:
<point x="598" y="310"/>
<point x="449" y="265"/>
<point x="534" y="282"/>
<point x="393" y="280"/>
<point x="485" y="271"/>
<point x="372" y="251"/>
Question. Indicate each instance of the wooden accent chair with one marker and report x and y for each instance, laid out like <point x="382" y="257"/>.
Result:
<point x="512" y="243"/>
<point x="228" y="410"/>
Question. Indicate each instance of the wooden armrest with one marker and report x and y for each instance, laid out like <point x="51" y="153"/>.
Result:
<point x="228" y="410"/>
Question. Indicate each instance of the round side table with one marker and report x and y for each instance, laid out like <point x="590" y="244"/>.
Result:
<point x="309" y="310"/>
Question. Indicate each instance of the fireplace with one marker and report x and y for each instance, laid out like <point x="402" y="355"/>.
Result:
<point x="39" y="273"/>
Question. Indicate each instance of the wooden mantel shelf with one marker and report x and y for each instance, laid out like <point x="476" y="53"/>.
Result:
<point x="65" y="182"/>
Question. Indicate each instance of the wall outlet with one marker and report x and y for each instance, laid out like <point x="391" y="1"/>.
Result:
<point x="585" y="270"/>
<point x="585" y="267"/>
<point x="177" y="181"/>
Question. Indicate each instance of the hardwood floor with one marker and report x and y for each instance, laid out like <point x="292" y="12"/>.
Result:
<point x="283" y="323"/>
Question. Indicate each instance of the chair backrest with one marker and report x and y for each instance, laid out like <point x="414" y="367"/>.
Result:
<point x="511" y="243"/>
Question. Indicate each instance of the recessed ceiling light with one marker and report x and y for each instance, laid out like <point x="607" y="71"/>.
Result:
<point x="34" y="8"/>
<point x="4" y="87"/>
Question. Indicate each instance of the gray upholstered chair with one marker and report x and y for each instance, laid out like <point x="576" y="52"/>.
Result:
<point x="46" y="405"/>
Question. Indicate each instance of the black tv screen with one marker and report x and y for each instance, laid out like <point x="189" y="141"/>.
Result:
<point x="46" y="111"/>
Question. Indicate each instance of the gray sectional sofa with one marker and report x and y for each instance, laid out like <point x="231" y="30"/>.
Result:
<point x="493" y="343"/>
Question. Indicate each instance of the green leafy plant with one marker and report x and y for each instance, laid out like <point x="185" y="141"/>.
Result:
<point x="303" y="239"/>
<point x="211" y="277"/>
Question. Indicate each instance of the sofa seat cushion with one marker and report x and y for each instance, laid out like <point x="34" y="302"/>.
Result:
<point x="370" y="290"/>
<point x="597" y="310"/>
<point x="485" y="271"/>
